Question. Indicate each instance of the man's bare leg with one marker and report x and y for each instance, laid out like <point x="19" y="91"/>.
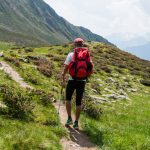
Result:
<point x="68" y="108"/>
<point x="78" y="111"/>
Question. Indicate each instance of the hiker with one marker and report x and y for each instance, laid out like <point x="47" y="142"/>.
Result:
<point x="79" y="65"/>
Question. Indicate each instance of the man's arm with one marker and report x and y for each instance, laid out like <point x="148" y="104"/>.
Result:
<point x="66" y="64"/>
<point x="64" y="72"/>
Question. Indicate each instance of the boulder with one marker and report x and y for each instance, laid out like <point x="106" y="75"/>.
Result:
<point x="126" y="79"/>
<point x="99" y="80"/>
<point x="116" y="97"/>
<point x="25" y="60"/>
<point x="93" y="90"/>
<point x="111" y="96"/>
<point x="98" y="99"/>
<point x="1" y="54"/>
<point x="145" y="82"/>
<point x="1" y="67"/>
<point x="2" y="105"/>
<point x="115" y="75"/>
<point x="122" y="92"/>
<point x="108" y="90"/>
<point x="110" y="80"/>
<point x="55" y="89"/>
<point x="122" y="97"/>
<point x="133" y="90"/>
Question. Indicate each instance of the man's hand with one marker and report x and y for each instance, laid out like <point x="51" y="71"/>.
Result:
<point x="63" y="76"/>
<point x="63" y="83"/>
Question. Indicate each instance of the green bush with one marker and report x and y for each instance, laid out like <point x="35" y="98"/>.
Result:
<point x="28" y="50"/>
<point x="32" y="78"/>
<point x="18" y="101"/>
<point x="14" y="61"/>
<point x="44" y="66"/>
<point x="91" y="109"/>
<point x="106" y="69"/>
<point x="45" y="98"/>
<point x="145" y="82"/>
<point x="49" y="55"/>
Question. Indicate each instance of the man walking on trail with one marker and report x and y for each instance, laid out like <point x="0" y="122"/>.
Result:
<point x="79" y="65"/>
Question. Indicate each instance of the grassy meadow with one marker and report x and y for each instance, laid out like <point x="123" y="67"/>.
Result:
<point x="122" y="126"/>
<point x="112" y="125"/>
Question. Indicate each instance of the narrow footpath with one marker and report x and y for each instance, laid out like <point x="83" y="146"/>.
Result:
<point x="13" y="74"/>
<point x="77" y="139"/>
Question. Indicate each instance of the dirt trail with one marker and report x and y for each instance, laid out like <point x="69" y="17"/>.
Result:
<point x="77" y="140"/>
<point x="13" y="74"/>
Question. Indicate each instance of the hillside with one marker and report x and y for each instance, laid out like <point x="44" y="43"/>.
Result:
<point x="33" y="22"/>
<point x="116" y="98"/>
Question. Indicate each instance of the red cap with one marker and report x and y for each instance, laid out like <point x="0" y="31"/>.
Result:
<point x="78" y="40"/>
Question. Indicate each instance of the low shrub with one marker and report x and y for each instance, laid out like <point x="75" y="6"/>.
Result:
<point x="134" y="72"/>
<point x="119" y="70"/>
<point x="18" y="101"/>
<point x="25" y="60"/>
<point x="145" y="82"/>
<point x="33" y="57"/>
<point x="65" y="45"/>
<point x="46" y="98"/>
<point x="45" y="70"/>
<point x="28" y="50"/>
<point x="51" y="123"/>
<point x="91" y="109"/>
<point x="147" y="70"/>
<point x="33" y="79"/>
<point x="44" y="66"/>
<point x="122" y="65"/>
<point x="58" y="58"/>
<point x="14" y="61"/>
<point x="13" y="54"/>
<point x="14" y="48"/>
<point x="106" y="69"/>
<point x="49" y="55"/>
<point x="38" y="92"/>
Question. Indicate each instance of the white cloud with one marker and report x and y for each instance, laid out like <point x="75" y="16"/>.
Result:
<point x="127" y="17"/>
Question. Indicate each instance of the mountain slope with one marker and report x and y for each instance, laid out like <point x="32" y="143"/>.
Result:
<point x="34" y="21"/>
<point x="142" y="51"/>
<point x="109" y="99"/>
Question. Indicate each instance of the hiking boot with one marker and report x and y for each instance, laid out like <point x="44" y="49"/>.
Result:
<point x="75" y="125"/>
<point x="69" y="122"/>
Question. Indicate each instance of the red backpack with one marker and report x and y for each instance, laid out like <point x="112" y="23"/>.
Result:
<point x="81" y="66"/>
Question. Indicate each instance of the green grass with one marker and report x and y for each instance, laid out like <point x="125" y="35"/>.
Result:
<point x="44" y="132"/>
<point x="4" y="46"/>
<point x="123" y="126"/>
<point x="16" y="135"/>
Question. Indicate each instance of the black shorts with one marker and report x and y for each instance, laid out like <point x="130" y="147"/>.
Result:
<point x="79" y="86"/>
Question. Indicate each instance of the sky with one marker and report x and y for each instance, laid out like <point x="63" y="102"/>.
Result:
<point x="126" y="19"/>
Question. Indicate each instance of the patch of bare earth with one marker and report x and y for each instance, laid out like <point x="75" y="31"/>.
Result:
<point x="13" y="74"/>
